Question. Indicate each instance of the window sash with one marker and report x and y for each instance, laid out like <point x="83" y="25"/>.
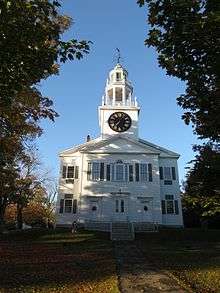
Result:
<point x="95" y="171"/>
<point x="119" y="172"/>
<point x="70" y="172"/>
<point x="170" y="206"/>
<point x="167" y="173"/>
<point x="68" y="205"/>
<point x="169" y="197"/>
<point x="143" y="172"/>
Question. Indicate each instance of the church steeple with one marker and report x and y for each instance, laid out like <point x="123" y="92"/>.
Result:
<point x="118" y="89"/>
<point x="119" y="111"/>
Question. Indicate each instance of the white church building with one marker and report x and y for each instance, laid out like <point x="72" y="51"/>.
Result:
<point x="118" y="177"/>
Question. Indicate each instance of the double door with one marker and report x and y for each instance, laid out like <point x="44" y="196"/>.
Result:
<point x="120" y="207"/>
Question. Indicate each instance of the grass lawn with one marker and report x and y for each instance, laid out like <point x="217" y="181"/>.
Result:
<point x="57" y="261"/>
<point x="192" y="255"/>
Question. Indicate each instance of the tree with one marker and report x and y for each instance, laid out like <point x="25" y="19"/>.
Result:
<point x="187" y="39"/>
<point x="31" y="49"/>
<point x="202" y="187"/>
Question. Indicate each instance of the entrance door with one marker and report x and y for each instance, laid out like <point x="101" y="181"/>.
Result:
<point x="144" y="210"/>
<point x="120" y="209"/>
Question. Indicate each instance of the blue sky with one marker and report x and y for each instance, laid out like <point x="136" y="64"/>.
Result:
<point x="77" y="90"/>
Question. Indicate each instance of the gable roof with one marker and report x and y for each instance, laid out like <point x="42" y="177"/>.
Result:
<point x="120" y="144"/>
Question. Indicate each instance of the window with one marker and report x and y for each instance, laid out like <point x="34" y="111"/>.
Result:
<point x="137" y="172"/>
<point x="143" y="172"/>
<point x="118" y="76"/>
<point x="131" y="173"/>
<point x="119" y="172"/>
<point x="126" y="172"/>
<point x="150" y="174"/>
<point x="77" y="172"/>
<point x="95" y="171"/>
<point x="167" y="173"/>
<point x="169" y="205"/>
<point x="68" y="206"/>
<point x="70" y="172"/>
<point x="168" y="182"/>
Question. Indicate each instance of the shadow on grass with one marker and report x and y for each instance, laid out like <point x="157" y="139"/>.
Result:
<point x="193" y="255"/>
<point x="35" y="259"/>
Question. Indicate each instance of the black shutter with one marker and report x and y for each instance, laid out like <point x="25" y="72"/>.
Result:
<point x="74" y="206"/>
<point x="77" y="172"/>
<point x="176" y="207"/>
<point x="108" y="172"/>
<point x="61" y="206"/>
<point x="163" y="206"/>
<point x="131" y="173"/>
<point x="137" y="172"/>
<point x="102" y="171"/>
<point x="161" y="173"/>
<point x="150" y="174"/>
<point x="64" y="172"/>
<point x="89" y="171"/>
<point x="173" y="173"/>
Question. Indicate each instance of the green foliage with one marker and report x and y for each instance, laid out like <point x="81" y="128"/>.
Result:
<point x="202" y="187"/>
<point x="31" y="48"/>
<point x="186" y="36"/>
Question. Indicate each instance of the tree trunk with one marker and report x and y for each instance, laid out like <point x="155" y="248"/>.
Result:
<point x="19" y="216"/>
<point x="2" y="213"/>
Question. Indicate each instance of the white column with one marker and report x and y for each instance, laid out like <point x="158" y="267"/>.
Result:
<point x="123" y="95"/>
<point x="113" y="89"/>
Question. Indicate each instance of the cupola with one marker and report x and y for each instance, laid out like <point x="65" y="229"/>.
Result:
<point x="118" y="89"/>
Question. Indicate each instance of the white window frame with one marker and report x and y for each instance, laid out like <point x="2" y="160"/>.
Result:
<point x="123" y="172"/>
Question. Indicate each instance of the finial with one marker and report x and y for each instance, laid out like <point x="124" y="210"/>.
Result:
<point x="118" y="55"/>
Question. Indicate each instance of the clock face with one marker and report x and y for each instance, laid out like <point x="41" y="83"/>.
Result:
<point x="119" y="121"/>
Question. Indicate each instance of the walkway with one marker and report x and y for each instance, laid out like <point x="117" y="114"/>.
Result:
<point x="136" y="274"/>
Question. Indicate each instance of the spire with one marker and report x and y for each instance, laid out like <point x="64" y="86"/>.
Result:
<point x="118" y="89"/>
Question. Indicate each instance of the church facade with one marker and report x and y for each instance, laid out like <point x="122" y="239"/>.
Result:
<point x="118" y="176"/>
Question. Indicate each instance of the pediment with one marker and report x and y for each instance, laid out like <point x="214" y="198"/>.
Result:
<point x="120" y="144"/>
